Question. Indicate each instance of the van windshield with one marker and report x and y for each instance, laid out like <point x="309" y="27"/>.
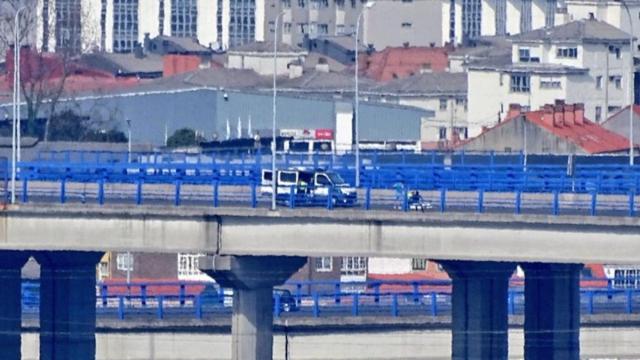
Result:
<point x="335" y="178"/>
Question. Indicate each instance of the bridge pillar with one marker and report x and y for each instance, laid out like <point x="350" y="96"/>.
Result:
<point x="552" y="311"/>
<point x="252" y="279"/>
<point x="67" y="304"/>
<point x="11" y="263"/>
<point x="479" y="308"/>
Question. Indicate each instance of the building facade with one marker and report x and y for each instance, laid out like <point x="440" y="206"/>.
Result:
<point x="585" y="61"/>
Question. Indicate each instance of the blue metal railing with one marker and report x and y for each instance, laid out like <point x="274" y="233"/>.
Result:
<point x="377" y="298"/>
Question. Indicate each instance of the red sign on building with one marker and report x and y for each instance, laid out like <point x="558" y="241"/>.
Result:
<point x="324" y="134"/>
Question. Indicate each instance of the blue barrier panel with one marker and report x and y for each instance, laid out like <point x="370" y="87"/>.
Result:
<point x="160" y="312"/>
<point x="376" y="293"/>
<point x="25" y="197"/>
<point x="443" y="199"/>
<point x="590" y="302"/>
<point x="481" y="201"/>
<point x="316" y="305"/>
<point x="63" y="192"/>
<point x="416" y="292"/>
<point x="336" y="293"/>
<point x="216" y="187"/>
<point x="394" y="305"/>
<point x="556" y="203"/>
<point x="104" y="294"/>
<point x="121" y="308"/>
<point x="182" y="295"/>
<point x="511" y="303"/>
<point x="178" y="185"/>
<point x="198" y="305"/>
<point x="355" y="310"/>
<point x="629" y="304"/>
<point x="518" y="202"/>
<point x="101" y="191"/>
<point x="367" y="198"/>
<point x="143" y="294"/>
<point x="139" y="192"/>
<point x="276" y="305"/>
<point x="434" y="304"/>
<point x="594" y="204"/>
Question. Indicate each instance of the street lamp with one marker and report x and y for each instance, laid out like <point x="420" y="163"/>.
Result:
<point x="630" y="82"/>
<point x="128" y="140"/>
<point x="367" y="6"/>
<point x="273" y="133"/>
<point x="15" y="138"/>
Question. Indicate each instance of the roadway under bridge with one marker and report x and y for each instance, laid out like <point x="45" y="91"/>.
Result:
<point x="251" y="250"/>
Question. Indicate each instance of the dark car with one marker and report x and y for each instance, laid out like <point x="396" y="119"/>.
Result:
<point x="287" y="301"/>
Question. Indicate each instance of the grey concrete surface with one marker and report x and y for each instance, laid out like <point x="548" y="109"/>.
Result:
<point x="596" y="343"/>
<point x="319" y="232"/>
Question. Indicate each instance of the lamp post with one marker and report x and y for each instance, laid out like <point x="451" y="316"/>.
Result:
<point x="630" y="82"/>
<point x="367" y="6"/>
<point x="15" y="138"/>
<point x="128" y="140"/>
<point x="275" y="93"/>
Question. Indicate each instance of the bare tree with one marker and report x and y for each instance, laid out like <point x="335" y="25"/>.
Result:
<point x="44" y="75"/>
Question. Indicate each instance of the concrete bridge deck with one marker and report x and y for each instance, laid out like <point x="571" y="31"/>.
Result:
<point x="319" y="232"/>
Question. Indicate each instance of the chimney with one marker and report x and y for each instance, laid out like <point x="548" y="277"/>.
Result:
<point x="569" y="118"/>
<point x="559" y="102"/>
<point x="147" y="42"/>
<point x="558" y="115"/>
<point x="547" y="115"/>
<point x="578" y="113"/>
<point x="295" y="70"/>
<point x="138" y="52"/>
<point x="514" y="110"/>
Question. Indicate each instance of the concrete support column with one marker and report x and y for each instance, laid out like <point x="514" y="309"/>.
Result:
<point x="67" y="304"/>
<point x="479" y="309"/>
<point x="552" y="311"/>
<point x="252" y="279"/>
<point x="11" y="263"/>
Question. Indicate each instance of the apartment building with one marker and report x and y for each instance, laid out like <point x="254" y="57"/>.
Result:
<point x="585" y="61"/>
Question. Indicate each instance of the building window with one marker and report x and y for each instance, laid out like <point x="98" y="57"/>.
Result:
<point x="124" y="262"/>
<point x="301" y="3"/>
<point x="272" y="26"/>
<point x="550" y="13"/>
<point x="452" y="21"/>
<point x="442" y="133"/>
<point x="302" y="27"/>
<point x="323" y="29"/>
<point x="324" y="264"/>
<point x="520" y="83"/>
<point x="598" y="113"/>
<point x="354" y="265"/>
<point x="189" y="266"/>
<point x="501" y="17"/>
<point x="125" y="25"/>
<point x="286" y="4"/>
<point x="626" y="278"/>
<point x="219" y="23"/>
<point x="406" y="25"/>
<point x="103" y="24"/>
<point x="340" y="4"/>
<point x="525" y="16"/>
<point x="242" y="22"/>
<point x="340" y="30"/>
<point x="418" y="264"/>
<point x="462" y="132"/>
<point x="103" y="270"/>
<point x="443" y="104"/>
<point x="287" y="28"/>
<point x="68" y="28"/>
<point x="161" y="17"/>
<point x="613" y="109"/>
<point x="616" y="80"/>
<point x="550" y="83"/>
<point x="615" y="50"/>
<point x="184" y="18"/>
<point x="571" y="52"/>
<point x="524" y="55"/>
<point x="598" y="82"/>
<point x="471" y="19"/>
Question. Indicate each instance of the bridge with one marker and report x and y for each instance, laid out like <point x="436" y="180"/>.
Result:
<point x="485" y="220"/>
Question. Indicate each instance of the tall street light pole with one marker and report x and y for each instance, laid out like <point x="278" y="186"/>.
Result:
<point x="367" y="6"/>
<point x="630" y="82"/>
<point x="274" y="188"/>
<point x="15" y="138"/>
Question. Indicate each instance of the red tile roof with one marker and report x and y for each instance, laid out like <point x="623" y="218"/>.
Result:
<point x="589" y="136"/>
<point x="400" y="62"/>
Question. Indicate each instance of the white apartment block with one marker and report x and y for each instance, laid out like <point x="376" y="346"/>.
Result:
<point x="586" y="61"/>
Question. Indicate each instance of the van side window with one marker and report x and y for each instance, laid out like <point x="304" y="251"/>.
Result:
<point x="287" y="177"/>
<point x="323" y="180"/>
<point x="267" y="176"/>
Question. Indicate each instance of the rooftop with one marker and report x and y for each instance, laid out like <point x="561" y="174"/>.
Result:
<point x="150" y="65"/>
<point x="181" y="45"/>
<point x="266" y="47"/>
<point x="585" y="30"/>
<point x="399" y="62"/>
<point x="584" y="133"/>
<point x="426" y="83"/>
